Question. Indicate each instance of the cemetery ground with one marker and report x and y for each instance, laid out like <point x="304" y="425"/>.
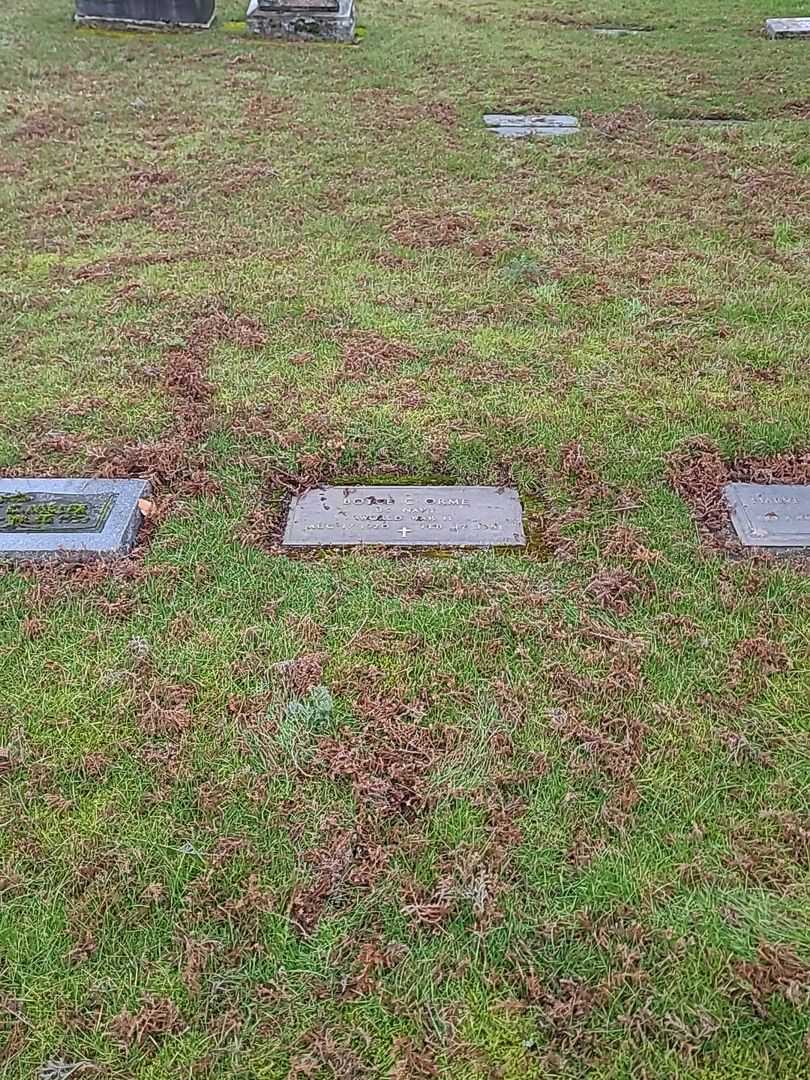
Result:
<point x="373" y="814"/>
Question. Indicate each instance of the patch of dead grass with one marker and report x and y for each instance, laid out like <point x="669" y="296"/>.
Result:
<point x="366" y="353"/>
<point x="776" y="972"/>
<point x="45" y="125"/>
<point x="155" y="1019"/>
<point x="426" y="230"/>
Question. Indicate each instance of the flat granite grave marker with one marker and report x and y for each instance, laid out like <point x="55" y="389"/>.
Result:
<point x="787" y="28"/>
<point x="145" y="14"/>
<point x="707" y="121"/>
<point x="396" y="516"/>
<point x="770" y="515"/>
<point x="45" y="517"/>
<point x="317" y="20"/>
<point x="515" y="126"/>
<point x="621" y="31"/>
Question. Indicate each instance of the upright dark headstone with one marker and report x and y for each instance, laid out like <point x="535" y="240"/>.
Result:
<point x="314" y="20"/>
<point x="770" y="515"/>
<point x="45" y="518"/>
<point x="396" y="516"/>
<point x="146" y="14"/>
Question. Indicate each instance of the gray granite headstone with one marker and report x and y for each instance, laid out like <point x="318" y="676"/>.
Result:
<point x="770" y="515"/>
<point x="515" y="126"/>
<point x="146" y="14"/>
<point x="318" y="20"/>
<point x="787" y="28"/>
<point x="48" y="517"/>
<point x="406" y="517"/>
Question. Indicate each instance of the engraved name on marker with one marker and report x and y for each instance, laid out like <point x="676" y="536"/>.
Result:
<point x="406" y="516"/>
<point x="69" y="517"/>
<point x="48" y="512"/>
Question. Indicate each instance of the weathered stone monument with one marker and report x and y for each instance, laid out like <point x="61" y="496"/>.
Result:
<point x="315" y="20"/>
<point x="396" y="516"/>
<point x="787" y="28"/>
<point x="514" y="126"/>
<point x="146" y="14"/>
<point x="47" y="518"/>
<point x="773" y="516"/>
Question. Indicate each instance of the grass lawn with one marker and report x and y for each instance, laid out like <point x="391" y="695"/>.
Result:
<point x="363" y="815"/>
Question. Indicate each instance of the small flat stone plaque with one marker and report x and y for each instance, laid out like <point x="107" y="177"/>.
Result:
<point x="770" y="515"/>
<point x="787" y="28"/>
<point x="620" y="31"/>
<point x="514" y="126"/>
<point x="707" y="121"/>
<point x="396" y="516"/>
<point x="48" y="517"/>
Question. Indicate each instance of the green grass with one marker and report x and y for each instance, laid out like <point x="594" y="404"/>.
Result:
<point x="531" y="827"/>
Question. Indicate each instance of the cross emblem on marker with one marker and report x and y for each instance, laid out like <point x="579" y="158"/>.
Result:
<point x="404" y="532"/>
